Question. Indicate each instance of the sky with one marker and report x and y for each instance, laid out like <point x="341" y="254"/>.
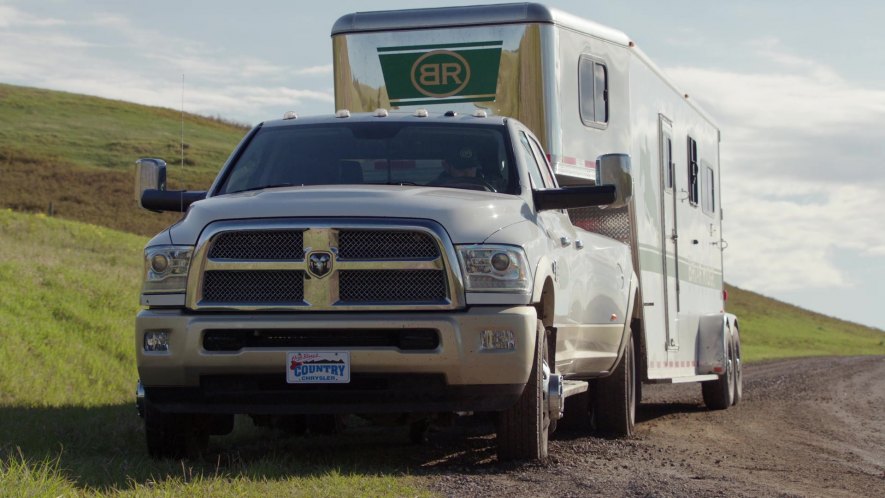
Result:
<point x="797" y="88"/>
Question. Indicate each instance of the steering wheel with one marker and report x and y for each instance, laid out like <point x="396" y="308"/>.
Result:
<point x="472" y="183"/>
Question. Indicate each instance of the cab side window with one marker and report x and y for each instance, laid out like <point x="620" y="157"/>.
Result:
<point x="541" y="158"/>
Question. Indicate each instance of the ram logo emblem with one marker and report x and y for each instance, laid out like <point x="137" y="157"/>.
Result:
<point x="319" y="264"/>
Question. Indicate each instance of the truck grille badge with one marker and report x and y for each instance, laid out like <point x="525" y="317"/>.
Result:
<point x="320" y="264"/>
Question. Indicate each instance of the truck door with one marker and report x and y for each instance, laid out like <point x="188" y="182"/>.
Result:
<point x="669" y="233"/>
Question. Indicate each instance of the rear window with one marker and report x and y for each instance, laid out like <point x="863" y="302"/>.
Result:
<point x="462" y="156"/>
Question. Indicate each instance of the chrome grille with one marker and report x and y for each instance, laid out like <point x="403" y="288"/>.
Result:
<point x="253" y="286"/>
<point x="259" y="244"/>
<point x="384" y="264"/>
<point x="389" y="244"/>
<point x="405" y="286"/>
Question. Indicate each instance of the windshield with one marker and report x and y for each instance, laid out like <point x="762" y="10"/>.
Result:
<point x="395" y="153"/>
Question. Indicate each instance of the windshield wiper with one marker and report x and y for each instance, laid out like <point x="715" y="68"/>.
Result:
<point x="273" y="185"/>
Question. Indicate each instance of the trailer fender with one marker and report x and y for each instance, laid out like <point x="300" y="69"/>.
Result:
<point x="715" y="332"/>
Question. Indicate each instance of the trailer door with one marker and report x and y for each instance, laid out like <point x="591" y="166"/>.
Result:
<point x="669" y="233"/>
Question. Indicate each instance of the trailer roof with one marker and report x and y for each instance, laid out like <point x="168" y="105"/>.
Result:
<point x="474" y="15"/>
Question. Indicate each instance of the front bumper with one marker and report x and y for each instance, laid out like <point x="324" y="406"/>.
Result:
<point x="455" y="376"/>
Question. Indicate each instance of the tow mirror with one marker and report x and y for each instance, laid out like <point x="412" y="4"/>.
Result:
<point x="615" y="169"/>
<point x="150" y="188"/>
<point x="150" y="174"/>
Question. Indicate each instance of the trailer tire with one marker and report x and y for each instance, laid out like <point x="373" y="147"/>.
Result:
<point x="719" y="394"/>
<point x="738" y="372"/>
<point x="522" y="428"/>
<point x="614" y="397"/>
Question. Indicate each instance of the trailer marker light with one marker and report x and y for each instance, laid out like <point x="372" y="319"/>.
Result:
<point x="497" y="340"/>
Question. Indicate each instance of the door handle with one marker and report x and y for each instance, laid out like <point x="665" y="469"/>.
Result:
<point x="579" y="244"/>
<point x="565" y="241"/>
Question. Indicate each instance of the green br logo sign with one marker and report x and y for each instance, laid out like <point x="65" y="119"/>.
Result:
<point x="441" y="73"/>
<point x="431" y="74"/>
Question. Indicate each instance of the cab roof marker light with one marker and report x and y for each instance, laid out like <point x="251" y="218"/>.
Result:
<point x="480" y="113"/>
<point x="450" y="114"/>
<point x="421" y="113"/>
<point x="342" y="113"/>
<point x="290" y="115"/>
<point x="381" y="113"/>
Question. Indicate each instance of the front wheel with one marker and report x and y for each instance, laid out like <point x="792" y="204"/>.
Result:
<point x="522" y="429"/>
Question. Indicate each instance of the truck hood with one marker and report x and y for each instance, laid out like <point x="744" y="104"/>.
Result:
<point x="468" y="216"/>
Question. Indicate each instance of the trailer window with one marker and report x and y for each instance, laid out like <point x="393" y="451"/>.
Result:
<point x="709" y="200"/>
<point x="593" y="91"/>
<point x="693" y="171"/>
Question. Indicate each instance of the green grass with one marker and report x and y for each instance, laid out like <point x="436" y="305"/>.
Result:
<point x="772" y="329"/>
<point x="77" y="153"/>
<point x="67" y="374"/>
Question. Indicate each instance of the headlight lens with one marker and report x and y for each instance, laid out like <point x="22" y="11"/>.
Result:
<point x="494" y="268"/>
<point x="165" y="269"/>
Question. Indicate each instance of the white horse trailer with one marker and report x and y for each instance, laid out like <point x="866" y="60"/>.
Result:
<point x="585" y="90"/>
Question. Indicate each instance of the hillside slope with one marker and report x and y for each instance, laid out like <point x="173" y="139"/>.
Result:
<point x="77" y="153"/>
<point x="773" y="329"/>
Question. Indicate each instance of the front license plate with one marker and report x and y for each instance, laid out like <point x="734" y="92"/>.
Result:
<point x="318" y="367"/>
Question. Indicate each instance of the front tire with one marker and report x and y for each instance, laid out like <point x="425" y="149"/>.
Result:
<point x="522" y="429"/>
<point x="614" y="397"/>
<point x="173" y="435"/>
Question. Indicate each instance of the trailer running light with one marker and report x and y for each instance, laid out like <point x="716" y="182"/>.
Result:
<point x="497" y="340"/>
<point x="156" y="341"/>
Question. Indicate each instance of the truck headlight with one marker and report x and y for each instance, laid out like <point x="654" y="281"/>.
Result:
<point x="165" y="269"/>
<point x="494" y="268"/>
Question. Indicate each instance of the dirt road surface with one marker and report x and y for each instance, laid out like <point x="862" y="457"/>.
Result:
<point x="806" y="427"/>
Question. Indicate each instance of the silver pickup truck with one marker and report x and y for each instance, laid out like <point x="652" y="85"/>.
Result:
<point x="383" y="263"/>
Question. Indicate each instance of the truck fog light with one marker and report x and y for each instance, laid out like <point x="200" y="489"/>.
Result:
<point x="498" y="340"/>
<point x="156" y="341"/>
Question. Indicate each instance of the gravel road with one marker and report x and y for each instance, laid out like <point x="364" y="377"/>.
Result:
<point x="806" y="427"/>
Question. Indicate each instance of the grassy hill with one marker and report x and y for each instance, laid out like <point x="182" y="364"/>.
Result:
<point x="773" y="329"/>
<point x="78" y="153"/>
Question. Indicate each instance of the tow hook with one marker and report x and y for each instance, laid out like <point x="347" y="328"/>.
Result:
<point x="554" y="396"/>
<point x="139" y="398"/>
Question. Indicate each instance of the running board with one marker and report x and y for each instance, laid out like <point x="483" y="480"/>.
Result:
<point x="684" y="380"/>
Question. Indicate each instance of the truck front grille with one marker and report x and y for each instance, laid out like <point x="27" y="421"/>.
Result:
<point x="377" y="244"/>
<point x="253" y="286"/>
<point x="316" y="267"/>
<point x="411" y="286"/>
<point x="222" y="340"/>
<point x="258" y="244"/>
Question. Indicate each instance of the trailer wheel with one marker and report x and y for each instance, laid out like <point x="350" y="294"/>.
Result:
<point x="522" y="429"/>
<point x="719" y="393"/>
<point x="738" y="372"/>
<point x="173" y="435"/>
<point x="614" y="397"/>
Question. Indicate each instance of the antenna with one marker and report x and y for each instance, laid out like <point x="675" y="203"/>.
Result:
<point x="182" y="141"/>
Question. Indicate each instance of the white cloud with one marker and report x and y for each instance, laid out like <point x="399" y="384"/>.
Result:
<point x="802" y="157"/>
<point x="12" y="17"/>
<point x="316" y="70"/>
